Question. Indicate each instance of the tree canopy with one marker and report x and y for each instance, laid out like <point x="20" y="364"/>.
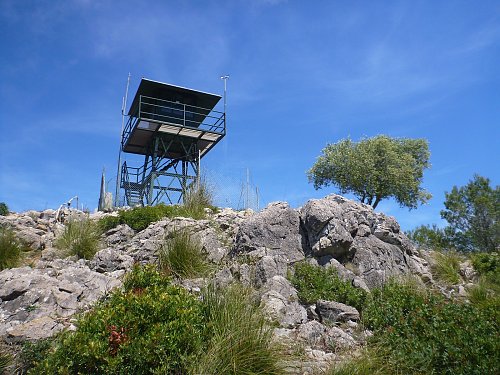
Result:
<point x="374" y="169"/>
<point x="473" y="213"/>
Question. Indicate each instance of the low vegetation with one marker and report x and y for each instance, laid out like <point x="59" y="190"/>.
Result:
<point x="81" y="237"/>
<point x="10" y="249"/>
<point x="314" y="283"/>
<point x="5" y="361"/>
<point x="417" y="332"/>
<point x="155" y="327"/>
<point x="181" y="255"/>
<point x="4" y="210"/>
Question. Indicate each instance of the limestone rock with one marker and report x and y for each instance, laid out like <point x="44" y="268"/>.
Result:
<point x="333" y="312"/>
<point x="276" y="230"/>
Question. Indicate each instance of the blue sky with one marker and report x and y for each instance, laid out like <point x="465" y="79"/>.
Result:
<point x="302" y="74"/>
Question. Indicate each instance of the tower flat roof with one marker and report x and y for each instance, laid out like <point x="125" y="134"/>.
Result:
<point x="173" y="93"/>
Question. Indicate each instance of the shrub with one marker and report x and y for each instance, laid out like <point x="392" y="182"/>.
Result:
<point x="4" y="210"/>
<point x="146" y="329"/>
<point x="487" y="264"/>
<point x="420" y="333"/>
<point x="238" y="338"/>
<point x="446" y="267"/>
<point x="181" y="255"/>
<point x="32" y="354"/>
<point x="10" y="249"/>
<point x="314" y="283"/>
<point x="80" y="237"/>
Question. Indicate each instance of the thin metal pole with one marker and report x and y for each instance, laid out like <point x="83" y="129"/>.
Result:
<point x="119" y="169"/>
<point x="225" y="78"/>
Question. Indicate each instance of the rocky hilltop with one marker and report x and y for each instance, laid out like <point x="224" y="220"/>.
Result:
<point x="255" y="248"/>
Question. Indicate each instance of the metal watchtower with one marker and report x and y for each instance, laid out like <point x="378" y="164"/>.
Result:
<point x="172" y="127"/>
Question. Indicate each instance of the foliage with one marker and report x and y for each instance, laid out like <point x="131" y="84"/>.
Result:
<point x="32" y="354"/>
<point x="10" y="249"/>
<point x="430" y="237"/>
<point x="374" y="169"/>
<point x="473" y="213"/>
<point x="181" y="255"/>
<point x="81" y="237"/>
<point x="154" y="329"/>
<point x="446" y="267"/>
<point x="417" y="332"/>
<point x="314" y="283"/>
<point x="239" y="340"/>
<point x="487" y="264"/>
<point x="4" y="210"/>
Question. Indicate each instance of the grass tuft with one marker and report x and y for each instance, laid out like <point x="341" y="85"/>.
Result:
<point x="80" y="237"/>
<point x="239" y="337"/>
<point x="446" y="267"/>
<point x="181" y="255"/>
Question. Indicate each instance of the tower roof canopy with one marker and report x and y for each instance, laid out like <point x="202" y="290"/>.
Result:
<point x="172" y="93"/>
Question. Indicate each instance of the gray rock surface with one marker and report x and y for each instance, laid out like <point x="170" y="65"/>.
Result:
<point x="276" y="230"/>
<point x="334" y="312"/>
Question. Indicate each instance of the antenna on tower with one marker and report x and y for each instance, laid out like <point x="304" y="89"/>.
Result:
<point x="119" y="172"/>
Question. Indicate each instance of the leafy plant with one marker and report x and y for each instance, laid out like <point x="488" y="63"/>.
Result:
<point x="446" y="267"/>
<point x="145" y="329"/>
<point x="10" y="249"/>
<point x="181" y="255"/>
<point x="314" y="283"/>
<point x="32" y="354"/>
<point x="4" y="210"/>
<point x="487" y="264"/>
<point x="417" y="332"/>
<point x="239" y="340"/>
<point x="81" y="237"/>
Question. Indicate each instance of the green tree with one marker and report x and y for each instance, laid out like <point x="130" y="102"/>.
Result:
<point x="374" y="169"/>
<point x="431" y="237"/>
<point x="473" y="212"/>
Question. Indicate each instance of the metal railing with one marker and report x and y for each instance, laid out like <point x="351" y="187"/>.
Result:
<point x="177" y="114"/>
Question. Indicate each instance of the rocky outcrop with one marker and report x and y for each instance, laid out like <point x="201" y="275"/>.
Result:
<point x="257" y="249"/>
<point x="36" y="303"/>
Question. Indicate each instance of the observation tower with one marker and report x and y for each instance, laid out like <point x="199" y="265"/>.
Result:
<point x="171" y="128"/>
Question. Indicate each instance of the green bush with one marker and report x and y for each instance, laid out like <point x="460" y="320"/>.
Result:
<point x="32" y="354"/>
<point x="181" y="255"/>
<point x="10" y="249"/>
<point x="446" y="267"/>
<point x="80" y="237"/>
<point x="4" y="210"/>
<point x="238" y="338"/>
<point x="430" y="237"/>
<point x="417" y="332"/>
<point x="314" y="283"/>
<point x="487" y="264"/>
<point x="153" y="329"/>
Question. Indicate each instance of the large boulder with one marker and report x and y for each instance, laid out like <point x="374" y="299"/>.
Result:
<point x="275" y="230"/>
<point x="351" y="233"/>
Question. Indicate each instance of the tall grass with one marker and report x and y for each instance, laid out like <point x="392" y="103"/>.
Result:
<point x="181" y="255"/>
<point x="446" y="267"/>
<point x="197" y="198"/>
<point x="80" y="237"/>
<point x="240" y="339"/>
<point x="10" y="249"/>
